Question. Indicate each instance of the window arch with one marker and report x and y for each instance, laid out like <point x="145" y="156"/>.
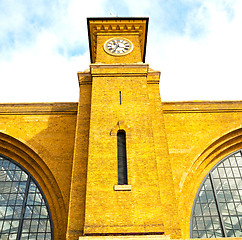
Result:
<point x="24" y="212"/>
<point x="122" y="158"/>
<point x="217" y="209"/>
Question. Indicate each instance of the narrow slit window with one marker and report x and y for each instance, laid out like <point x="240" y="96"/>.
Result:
<point x="120" y="97"/>
<point x="122" y="158"/>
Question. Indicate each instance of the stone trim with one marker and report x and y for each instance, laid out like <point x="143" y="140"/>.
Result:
<point x="202" y="107"/>
<point x="120" y="126"/>
<point x="122" y="187"/>
<point x="39" y="109"/>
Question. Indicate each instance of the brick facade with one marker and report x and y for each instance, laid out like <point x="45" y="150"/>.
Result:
<point x="71" y="148"/>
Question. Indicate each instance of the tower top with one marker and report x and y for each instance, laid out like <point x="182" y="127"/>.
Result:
<point x="117" y="26"/>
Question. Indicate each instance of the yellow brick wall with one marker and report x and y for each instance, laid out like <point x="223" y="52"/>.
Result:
<point x="181" y="141"/>
<point x="41" y="137"/>
<point x="151" y="205"/>
<point x="109" y="211"/>
<point x="80" y="159"/>
<point x="199" y="135"/>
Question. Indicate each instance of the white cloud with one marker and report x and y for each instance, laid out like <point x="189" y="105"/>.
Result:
<point x="205" y="67"/>
<point x="36" y="71"/>
<point x="39" y="73"/>
<point x="199" y="60"/>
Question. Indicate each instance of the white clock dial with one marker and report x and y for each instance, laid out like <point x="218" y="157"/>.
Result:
<point x="118" y="46"/>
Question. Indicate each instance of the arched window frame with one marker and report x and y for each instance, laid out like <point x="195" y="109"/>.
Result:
<point x="29" y="179"/>
<point x="209" y="177"/>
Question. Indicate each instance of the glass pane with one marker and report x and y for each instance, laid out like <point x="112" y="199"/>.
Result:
<point x="236" y="172"/>
<point x="203" y="197"/>
<point x="238" y="233"/>
<point x="239" y="208"/>
<point x="221" y="173"/>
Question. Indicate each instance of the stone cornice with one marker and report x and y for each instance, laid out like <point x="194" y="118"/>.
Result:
<point x="136" y="69"/>
<point x="153" y="76"/>
<point x="124" y="69"/>
<point x="116" y="26"/>
<point x="84" y="78"/>
<point x="38" y="108"/>
<point x="202" y="107"/>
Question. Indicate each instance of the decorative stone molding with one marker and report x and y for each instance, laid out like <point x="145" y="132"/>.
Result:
<point x="38" y="108"/>
<point x="202" y="107"/>
<point x="120" y="126"/>
<point x="116" y="70"/>
<point x="84" y="78"/>
<point x="153" y="77"/>
<point x="130" y="236"/>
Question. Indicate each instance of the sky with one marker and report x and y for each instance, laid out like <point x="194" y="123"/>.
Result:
<point x="196" y="44"/>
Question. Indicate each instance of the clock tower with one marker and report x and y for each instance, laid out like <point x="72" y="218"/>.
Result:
<point x="121" y="182"/>
<point x="117" y="40"/>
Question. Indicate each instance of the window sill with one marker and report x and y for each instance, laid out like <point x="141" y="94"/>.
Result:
<point x="122" y="187"/>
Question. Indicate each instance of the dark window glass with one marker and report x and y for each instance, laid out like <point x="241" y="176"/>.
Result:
<point x="24" y="213"/>
<point x="122" y="158"/>
<point x="217" y="210"/>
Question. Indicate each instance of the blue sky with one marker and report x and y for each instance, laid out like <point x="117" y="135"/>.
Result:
<point x="196" y="44"/>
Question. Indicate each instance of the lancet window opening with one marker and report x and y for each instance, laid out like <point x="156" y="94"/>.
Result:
<point x="120" y="97"/>
<point x="217" y="209"/>
<point x="24" y="212"/>
<point x="122" y="158"/>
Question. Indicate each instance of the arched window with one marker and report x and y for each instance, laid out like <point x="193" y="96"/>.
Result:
<point x="122" y="158"/>
<point x="24" y="212"/>
<point x="217" y="209"/>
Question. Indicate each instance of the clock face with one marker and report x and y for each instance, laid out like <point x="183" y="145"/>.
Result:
<point x="118" y="46"/>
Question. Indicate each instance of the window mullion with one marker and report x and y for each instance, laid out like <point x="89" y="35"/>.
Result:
<point x="23" y="209"/>
<point x="218" y="206"/>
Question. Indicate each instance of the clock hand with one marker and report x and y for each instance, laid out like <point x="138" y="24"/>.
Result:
<point x="114" y="46"/>
<point x="117" y="45"/>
